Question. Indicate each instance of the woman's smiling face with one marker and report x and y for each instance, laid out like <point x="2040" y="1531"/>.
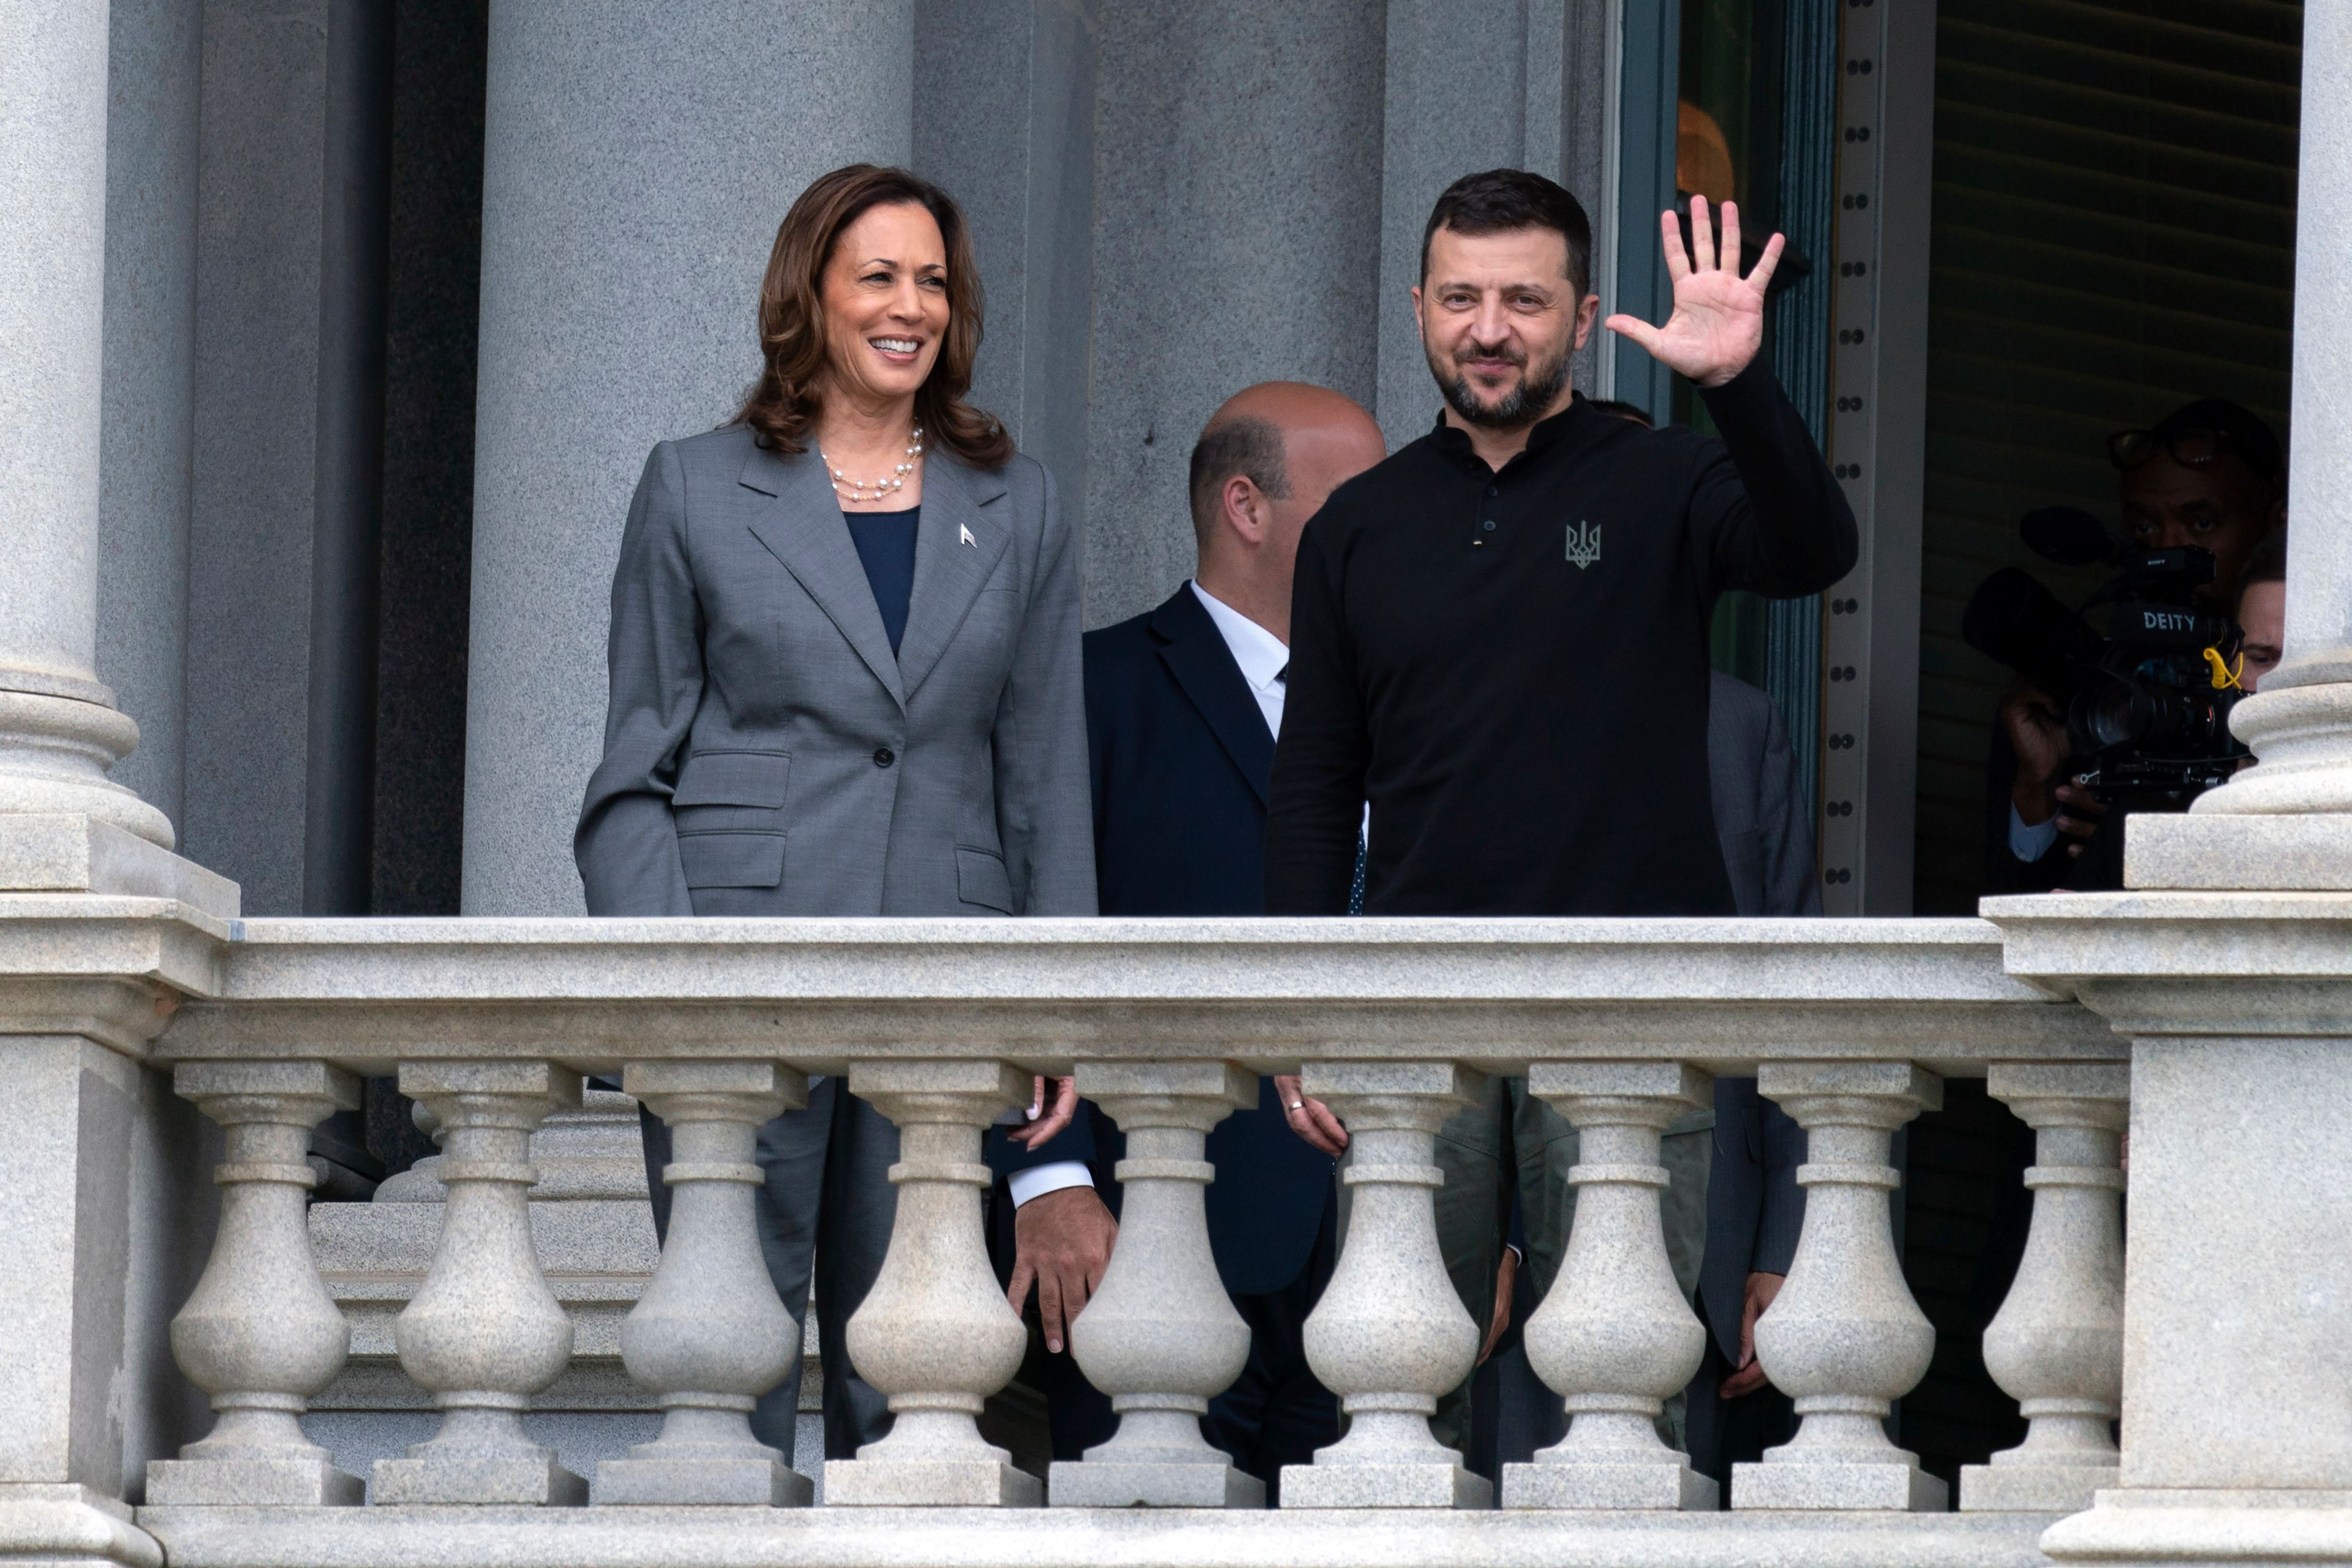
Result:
<point x="886" y="302"/>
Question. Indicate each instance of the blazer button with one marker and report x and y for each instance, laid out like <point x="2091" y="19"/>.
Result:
<point x="884" y="756"/>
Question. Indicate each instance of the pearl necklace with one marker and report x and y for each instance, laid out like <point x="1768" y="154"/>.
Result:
<point x="859" y="490"/>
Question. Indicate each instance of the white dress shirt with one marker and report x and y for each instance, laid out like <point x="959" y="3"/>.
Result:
<point x="1263" y="659"/>
<point x="2030" y="844"/>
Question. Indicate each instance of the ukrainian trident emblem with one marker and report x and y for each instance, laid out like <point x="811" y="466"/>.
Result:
<point x="1583" y="545"/>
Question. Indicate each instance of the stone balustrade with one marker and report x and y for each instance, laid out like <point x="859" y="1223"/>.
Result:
<point x="494" y="1026"/>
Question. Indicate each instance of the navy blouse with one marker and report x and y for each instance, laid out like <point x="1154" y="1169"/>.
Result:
<point x="886" y="547"/>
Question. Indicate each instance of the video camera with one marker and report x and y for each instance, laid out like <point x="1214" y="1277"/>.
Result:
<point x="2147" y="704"/>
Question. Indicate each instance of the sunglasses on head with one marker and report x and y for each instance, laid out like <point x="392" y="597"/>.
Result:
<point x="2191" y="448"/>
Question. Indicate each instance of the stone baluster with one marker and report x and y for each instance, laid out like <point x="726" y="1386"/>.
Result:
<point x="2057" y="1345"/>
<point x="484" y="1333"/>
<point x="1844" y="1338"/>
<point x="421" y="1183"/>
<point x="710" y="1336"/>
<point x="260" y="1334"/>
<point x="1390" y="1335"/>
<point x="1161" y="1336"/>
<point x="934" y="1332"/>
<point x="1615" y="1335"/>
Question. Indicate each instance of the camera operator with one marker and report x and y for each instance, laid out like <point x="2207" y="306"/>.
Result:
<point x="2211" y="474"/>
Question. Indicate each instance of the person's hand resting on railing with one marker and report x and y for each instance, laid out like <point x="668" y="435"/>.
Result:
<point x="1046" y="1122"/>
<point x="1310" y="1119"/>
<point x="1062" y="1240"/>
<point x="1506" y="1279"/>
<point x="1749" y="1378"/>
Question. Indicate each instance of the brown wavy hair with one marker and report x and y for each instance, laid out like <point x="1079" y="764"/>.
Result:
<point x="783" y="403"/>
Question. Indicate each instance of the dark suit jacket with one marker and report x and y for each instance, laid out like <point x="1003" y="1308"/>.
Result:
<point x="1754" y="1208"/>
<point x="1180" y="759"/>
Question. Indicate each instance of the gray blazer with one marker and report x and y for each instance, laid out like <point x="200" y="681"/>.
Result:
<point x="764" y="752"/>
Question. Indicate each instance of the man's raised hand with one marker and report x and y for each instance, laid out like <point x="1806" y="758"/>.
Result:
<point x="1718" y="319"/>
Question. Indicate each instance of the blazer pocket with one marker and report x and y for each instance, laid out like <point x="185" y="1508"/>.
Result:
<point x="731" y="792"/>
<point x="733" y="859"/>
<point x="732" y="778"/>
<point x="981" y="878"/>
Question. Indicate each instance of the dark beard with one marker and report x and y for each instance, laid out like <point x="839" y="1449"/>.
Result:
<point x="1522" y="405"/>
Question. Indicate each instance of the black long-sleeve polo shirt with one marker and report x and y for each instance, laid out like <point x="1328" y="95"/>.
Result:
<point x="1512" y="666"/>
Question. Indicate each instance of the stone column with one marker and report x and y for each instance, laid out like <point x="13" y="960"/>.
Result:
<point x="1615" y="1335"/>
<point x="261" y="280"/>
<point x="61" y="818"/>
<point x="1161" y="1337"/>
<point x="1390" y="1335"/>
<point x="1004" y="117"/>
<point x="484" y="1333"/>
<point x="1472" y="85"/>
<point x="2057" y="1346"/>
<point x="620" y="277"/>
<point x="1844" y="1337"/>
<point x="150" y="322"/>
<point x="934" y="1332"/>
<point x="260" y="1334"/>
<point x="709" y="1335"/>
<point x="1236" y="240"/>
<point x="2287" y="823"/>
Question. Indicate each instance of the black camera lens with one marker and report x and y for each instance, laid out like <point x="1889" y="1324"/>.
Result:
<point x="2112" y="716"/>
<point x="2149" y="716"/>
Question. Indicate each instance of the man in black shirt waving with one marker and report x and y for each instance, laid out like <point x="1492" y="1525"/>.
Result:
<point x="1499" y="640"/>
<point x="1499" y="634"/>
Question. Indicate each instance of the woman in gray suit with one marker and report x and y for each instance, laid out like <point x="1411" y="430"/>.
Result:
<point x="845" y="680"/>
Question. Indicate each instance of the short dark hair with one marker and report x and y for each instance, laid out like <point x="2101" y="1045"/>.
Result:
<point x="2266" y="563"/>
<point x="2242" y="432"/>
<point x="1500" y="200"/>
<point x="1239" y="444"/>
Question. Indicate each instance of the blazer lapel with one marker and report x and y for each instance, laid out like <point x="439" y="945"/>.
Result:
<point x="958" y="543"/>
<point x="1196" y="655"/>
<point x="805" y="530"/>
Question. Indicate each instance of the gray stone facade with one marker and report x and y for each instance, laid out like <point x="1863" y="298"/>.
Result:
<point x="2204" y="1014"/>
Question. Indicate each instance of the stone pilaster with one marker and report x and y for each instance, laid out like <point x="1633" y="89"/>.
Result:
<point x="2237" y="1302"/>
<point x="629" y="261"/>
<point x="70" y="1130"/>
